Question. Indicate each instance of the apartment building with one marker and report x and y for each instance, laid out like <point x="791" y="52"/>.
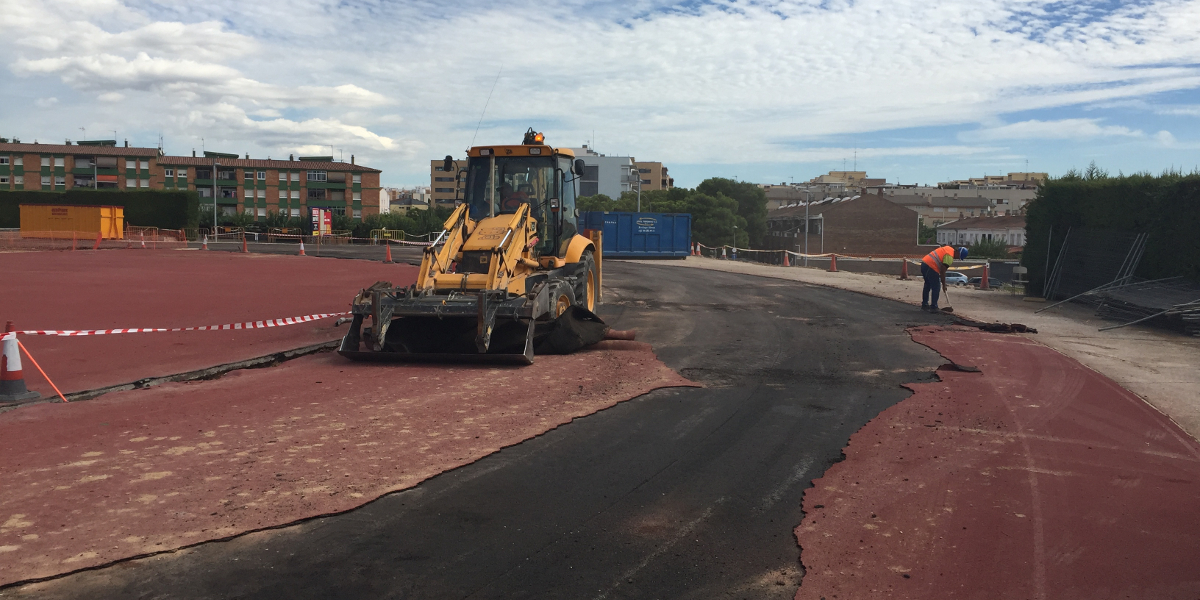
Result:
<point x="290" y="187"/>
<point x="1002" y="201"/>
<point x="1010" y="230"/>
<point x="241" y="185"/>
<point x="98" y="164"/>
<point x="1014" y="180"/>
<point x="653" y="176"/>
<point x="444" y="189"/>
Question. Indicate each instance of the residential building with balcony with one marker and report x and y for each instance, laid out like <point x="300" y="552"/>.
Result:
<point x="653" y="175"/>
<point x="290" y="187"/>
<point x="1009" y="230"/>
<point x="98" y="164"/>
<point x="445" y="186"/>
<point x="241" y="185"/>
<point x="608" y="175"/>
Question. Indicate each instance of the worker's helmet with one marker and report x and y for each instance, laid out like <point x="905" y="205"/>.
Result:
<point x="962" y="253"/>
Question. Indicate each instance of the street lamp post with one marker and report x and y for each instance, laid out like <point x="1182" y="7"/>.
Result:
<point x="637" y="177"/>
<point x="214" y="195"/>
<point x="807" y="201"/>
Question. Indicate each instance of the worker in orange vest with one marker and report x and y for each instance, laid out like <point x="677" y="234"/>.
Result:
<point x="933" y="268"/>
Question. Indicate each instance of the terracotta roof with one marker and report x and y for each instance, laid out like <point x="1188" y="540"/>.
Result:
<point x="908" y="200"/>
<point x="201" y="161"/>
<point x="73" y="149"/>
<point x="1007" y="222"/>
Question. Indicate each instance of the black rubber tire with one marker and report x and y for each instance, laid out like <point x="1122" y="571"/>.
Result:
<point x="582" y="299"/>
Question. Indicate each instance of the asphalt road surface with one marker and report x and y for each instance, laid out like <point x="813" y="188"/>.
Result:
<point x="682" y="493"/>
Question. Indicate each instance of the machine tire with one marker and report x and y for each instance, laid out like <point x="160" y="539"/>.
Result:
<point x="588" y="295"/>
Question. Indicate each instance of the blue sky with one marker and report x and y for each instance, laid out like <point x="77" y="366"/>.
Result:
<point x="766" y="91"/>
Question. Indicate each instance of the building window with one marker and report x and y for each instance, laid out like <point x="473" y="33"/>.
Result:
<point x="283" y="176"/>
<point x="444" y="190"/>
<point x="316" y="194"/>
<point x="317" y="176"/>
<point x="645" y="182"/>
<point x="4" y="179"/>
<point x="60" y="180"/>
<point x="295" y="194"/>
<point x="227" y="175"/>
<point x="443" y="179"/>
<point x="18" y="160"/>
<point x="357" y="179"/>
<point x="283" y="194"/>
<point x="130" y="164"/>
<point x="168" y="172"/>
<point x="262" y="212"/>
<point x="249" y="194"/>
<point x="262" y="194"/>
<point x="60" y="161"/>
<point x="357" y="213"/>
<point x="249" y="175"/>
<point x="45" y="161"/>
<point x="250" y="210"/>
<point x="356" y="196"/>
<point x="3" y="160"/>
<point x="45" y="180"/>
<point x="182" y="173"/>
<point x="145" y="183"/>
<point x="295" y="212"/>
<point x="643" y="170"/>
<point x="145" y="165"/>
<point x="262" y="175"/>
<point x="19" y="179"/>
<point x="295" y="177"/>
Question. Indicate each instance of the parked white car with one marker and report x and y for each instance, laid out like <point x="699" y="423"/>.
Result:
<point x="955" y="278"/>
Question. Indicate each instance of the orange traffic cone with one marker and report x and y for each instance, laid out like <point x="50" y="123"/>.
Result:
<point x="142" y="236"/>
<point x="12" y="378"/>
<point x="983" y="282"/>
<point x="785" y="259"/>
<point x="302" y="248"/>
<point x="904" y="269"/>
<point x="204" y="244"/>
<point x="245" y="250"/>
<point x="722" y="253"/>
<point x="833" y="263"/>
<point x="388" y="260"/>
<point x="99" y="237"/>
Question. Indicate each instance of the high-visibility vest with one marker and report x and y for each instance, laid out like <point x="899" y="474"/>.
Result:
<point x="935" y="259"/>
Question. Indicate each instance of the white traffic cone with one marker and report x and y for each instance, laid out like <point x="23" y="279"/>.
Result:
<point x="204" y="245"/>
<point x="12" y="378"/>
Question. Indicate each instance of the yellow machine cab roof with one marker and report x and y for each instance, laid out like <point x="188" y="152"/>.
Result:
<point x="520" y="150"/>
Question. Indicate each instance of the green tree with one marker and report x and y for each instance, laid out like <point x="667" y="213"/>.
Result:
<point x="751" y="200"/>
<point x="988" y="249"/>
<point x="599" y="202"/>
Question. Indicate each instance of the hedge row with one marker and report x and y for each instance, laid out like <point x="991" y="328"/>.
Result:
<point x="149" y="208"/>
<point x="1167" y="207"/>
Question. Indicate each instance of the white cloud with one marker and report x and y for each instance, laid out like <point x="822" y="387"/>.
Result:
<point x="45" y="102"/>
<point x="721" y="82"/>
<point x="1165" y="138"/>
<point x="111" y="97"/>
<point x="1064" y="129"/>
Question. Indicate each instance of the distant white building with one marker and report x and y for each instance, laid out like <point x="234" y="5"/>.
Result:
<point x="608" y="175"/>
<point x="1010" y="230"/>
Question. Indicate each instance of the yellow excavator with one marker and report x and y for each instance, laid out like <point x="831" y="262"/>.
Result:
<point x="508" y="277"/>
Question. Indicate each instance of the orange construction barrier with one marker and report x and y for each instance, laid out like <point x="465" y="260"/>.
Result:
<point x="904" y="269"/>
<point x="833" y="263"/>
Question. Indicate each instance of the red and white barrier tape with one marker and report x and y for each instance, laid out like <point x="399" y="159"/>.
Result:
<point x="229" y="326"/>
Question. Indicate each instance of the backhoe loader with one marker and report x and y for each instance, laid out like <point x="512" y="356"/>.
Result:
<point x="508" y="277"/>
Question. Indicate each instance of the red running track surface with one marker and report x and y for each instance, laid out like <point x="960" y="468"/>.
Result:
<point x="150" y="470"/>
<point x="171" y="288"/>
<point x="1036" y="478"/>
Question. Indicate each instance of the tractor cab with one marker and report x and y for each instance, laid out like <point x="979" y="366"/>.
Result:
<point x="499" y="179"/>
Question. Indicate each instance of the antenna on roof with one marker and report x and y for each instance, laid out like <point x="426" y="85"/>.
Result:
<point x="485" y="105"/>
